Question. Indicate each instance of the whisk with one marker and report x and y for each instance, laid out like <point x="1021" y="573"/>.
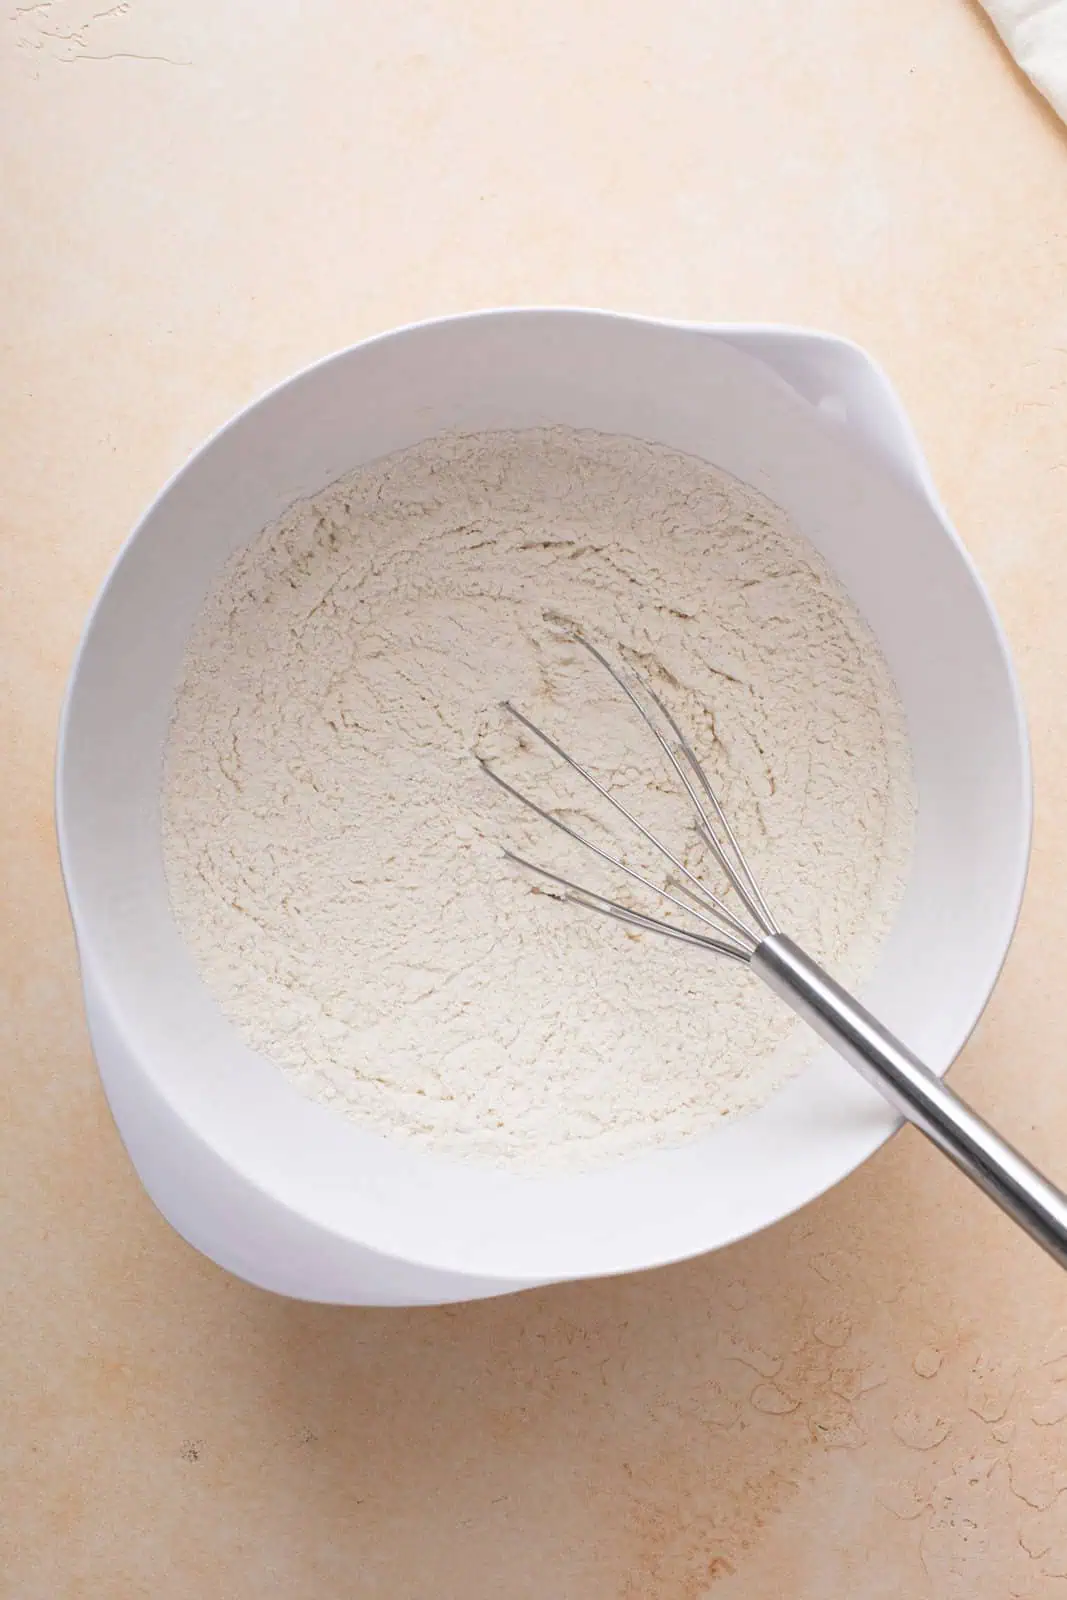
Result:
<point x="747" y="932"/>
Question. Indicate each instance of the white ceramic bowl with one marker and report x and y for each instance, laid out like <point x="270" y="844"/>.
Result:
<point x="292" y="1196"/>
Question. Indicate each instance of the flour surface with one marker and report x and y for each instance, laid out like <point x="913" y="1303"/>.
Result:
<point x="333" y="850"/>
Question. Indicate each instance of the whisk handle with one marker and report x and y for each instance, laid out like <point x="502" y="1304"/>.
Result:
<point x="917" y="1093"/>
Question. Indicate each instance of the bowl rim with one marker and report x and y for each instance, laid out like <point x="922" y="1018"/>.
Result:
<point x="865" y="1142"/>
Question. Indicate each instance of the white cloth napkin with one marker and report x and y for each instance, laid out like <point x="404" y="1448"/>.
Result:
<point x="1035" y="31"/>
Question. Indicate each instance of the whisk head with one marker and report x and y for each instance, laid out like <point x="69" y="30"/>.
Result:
<point x="713" y="924"/>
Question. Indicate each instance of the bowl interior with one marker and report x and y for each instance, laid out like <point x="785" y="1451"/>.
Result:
<point x="681" y="387"/>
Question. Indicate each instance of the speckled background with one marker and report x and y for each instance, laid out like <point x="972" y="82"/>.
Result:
<point x="870" y="1400"/>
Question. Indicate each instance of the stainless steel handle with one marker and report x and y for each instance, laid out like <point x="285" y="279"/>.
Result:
<point x="913" y="1090"/>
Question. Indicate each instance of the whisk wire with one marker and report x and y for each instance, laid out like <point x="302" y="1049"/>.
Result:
<point x="583" y="772"/>
<point x="737" y="870"/>
<point x="593" y="901"/>
<point x="745" y="941"/>
<point x="730" y="935"/>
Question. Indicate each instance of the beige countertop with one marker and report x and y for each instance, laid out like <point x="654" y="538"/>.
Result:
<point x="199" y="197"/>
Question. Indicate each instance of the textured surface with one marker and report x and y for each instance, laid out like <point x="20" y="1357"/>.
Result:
<point x="869" y="1401"/>
<point x="334" y="852"/>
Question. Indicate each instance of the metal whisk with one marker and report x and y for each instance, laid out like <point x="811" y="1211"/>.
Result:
<point x="749" y="934"/>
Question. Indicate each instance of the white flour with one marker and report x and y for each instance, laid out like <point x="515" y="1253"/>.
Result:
<point x="333" y="849"/>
